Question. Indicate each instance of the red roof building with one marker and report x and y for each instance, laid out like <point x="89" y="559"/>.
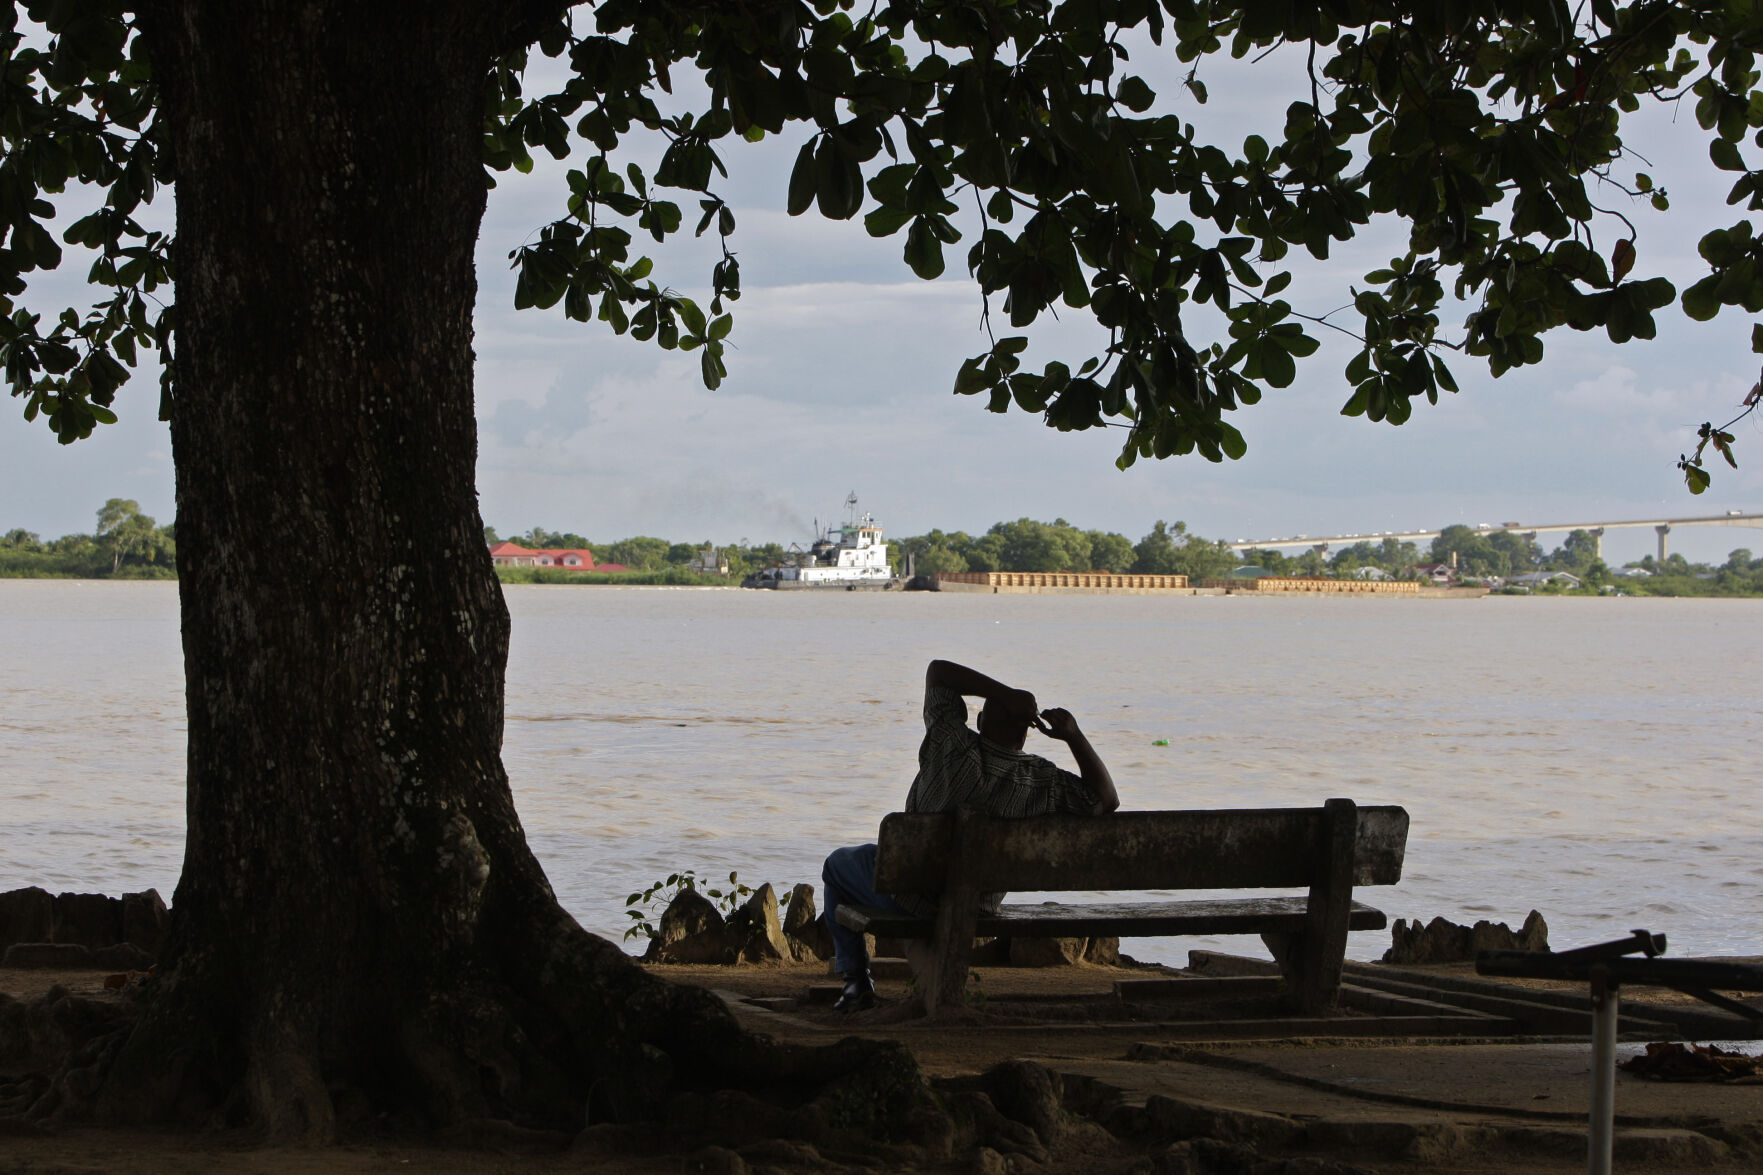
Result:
<point x="564" y="558"/>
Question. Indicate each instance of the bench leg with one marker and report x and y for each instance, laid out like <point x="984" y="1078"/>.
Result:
<point x="944" y="980"/>
<point x="1313" y="960"/>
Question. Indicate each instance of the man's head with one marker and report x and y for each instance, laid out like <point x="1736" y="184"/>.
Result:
<point x="1005" y="720"/>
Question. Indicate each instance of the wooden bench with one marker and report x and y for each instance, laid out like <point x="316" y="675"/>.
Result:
<point x="952" y="858"/>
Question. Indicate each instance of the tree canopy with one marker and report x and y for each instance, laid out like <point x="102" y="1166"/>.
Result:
<point x="1492" y="128"/>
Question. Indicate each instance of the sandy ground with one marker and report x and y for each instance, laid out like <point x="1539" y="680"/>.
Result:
<point x="1461" y="1106"/>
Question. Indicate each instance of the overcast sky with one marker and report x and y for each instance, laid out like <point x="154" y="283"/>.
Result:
<point x="840" y="373"/>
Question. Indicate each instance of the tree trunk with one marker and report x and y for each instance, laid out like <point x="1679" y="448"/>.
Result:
<point x="360" y="925"/>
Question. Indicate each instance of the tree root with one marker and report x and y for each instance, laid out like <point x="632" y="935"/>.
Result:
<point x="563" y="1041"/>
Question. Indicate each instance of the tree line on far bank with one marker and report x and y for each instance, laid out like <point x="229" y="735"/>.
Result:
<point x="1485" y="554"/>
<point x="1172" y="549"/>
<point x="1023" y="545"/>
<point x="126" y="544"/>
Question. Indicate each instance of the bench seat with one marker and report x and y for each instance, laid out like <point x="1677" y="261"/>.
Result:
<point x="1277" y="915"/>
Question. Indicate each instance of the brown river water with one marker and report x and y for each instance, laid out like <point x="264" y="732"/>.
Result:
<point x="1594" y="758"/>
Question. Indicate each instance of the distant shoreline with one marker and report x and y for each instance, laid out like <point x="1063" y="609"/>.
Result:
<point x="660" y="580"/>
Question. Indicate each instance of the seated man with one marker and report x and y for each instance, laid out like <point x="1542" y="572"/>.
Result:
<point x="988" y="770"/>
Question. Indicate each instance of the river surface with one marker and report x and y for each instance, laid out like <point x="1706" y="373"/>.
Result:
<point x="1594" y="758"/>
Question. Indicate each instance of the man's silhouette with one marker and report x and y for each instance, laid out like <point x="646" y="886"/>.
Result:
<point x="987" y="769"/>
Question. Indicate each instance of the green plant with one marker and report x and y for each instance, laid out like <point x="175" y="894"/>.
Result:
<point x="638" y="906"/>
<point x="976" y="995"/>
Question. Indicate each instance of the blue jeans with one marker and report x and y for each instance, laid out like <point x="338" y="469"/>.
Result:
<point x="849" y="876"/>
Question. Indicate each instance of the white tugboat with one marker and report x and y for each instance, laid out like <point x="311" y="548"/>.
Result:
<point x="851" y="557"/>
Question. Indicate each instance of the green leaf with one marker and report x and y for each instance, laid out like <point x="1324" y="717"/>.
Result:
<point x="972" y="377"/>
<point x="924" y="253"/>
<point x="1135" y="95"/>
<point x="692" y="317"/>
<point x="1232" y="442"/>
<point x="1700" y="301"/>
<point x="802" y="180"/>
<point x="1277" y="367"/>
<point x="885" y="222"/>
<point x="1358" y="402"/>
<point x="838" y="181"/>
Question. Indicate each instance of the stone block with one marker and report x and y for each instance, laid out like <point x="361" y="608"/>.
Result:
<point x="90" y="919"/>
<point x="26" y="915"/>
<point x="690" y="931"/>
<point x="47" y="955"/>
<point x="1443" y="941"/>
<point x="757" y="931"/>
<point x="122" y="956"/>
<point x="144" y="920"/>
<point x="1046" y="952"/>
<point x="1103" y="951"/>
<point x="804" y="929"/>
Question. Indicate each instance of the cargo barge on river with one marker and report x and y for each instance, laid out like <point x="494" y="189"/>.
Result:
<point x="851" y="558"/>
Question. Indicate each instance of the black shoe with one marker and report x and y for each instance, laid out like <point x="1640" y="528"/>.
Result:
<point x="858" y="996"/>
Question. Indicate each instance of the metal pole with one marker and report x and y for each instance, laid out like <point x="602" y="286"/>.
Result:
<point x="1603" y="1107"/>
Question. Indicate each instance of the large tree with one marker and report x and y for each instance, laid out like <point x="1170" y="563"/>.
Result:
<point x="360" y="922"/>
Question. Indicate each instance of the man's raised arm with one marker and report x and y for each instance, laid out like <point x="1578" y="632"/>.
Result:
<point x="1061" y="725"/>
<point x="971" y="683"/>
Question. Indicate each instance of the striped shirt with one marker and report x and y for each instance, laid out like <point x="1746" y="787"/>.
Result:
<point x="958" y="766"/>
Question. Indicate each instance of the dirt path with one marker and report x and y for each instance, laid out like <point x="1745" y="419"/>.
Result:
<point x="1325" y="1105"/>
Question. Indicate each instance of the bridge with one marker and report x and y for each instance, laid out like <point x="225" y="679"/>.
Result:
<point x="1661" y="526"/>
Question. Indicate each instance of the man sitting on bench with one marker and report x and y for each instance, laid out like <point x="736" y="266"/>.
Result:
<point x="988" y="770"/>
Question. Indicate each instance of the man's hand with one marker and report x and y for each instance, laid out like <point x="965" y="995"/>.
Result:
<point x="1057" y="723"/>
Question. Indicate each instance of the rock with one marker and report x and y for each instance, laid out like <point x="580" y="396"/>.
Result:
<point x="804" y="929"/>
<point x="990" y="952"/>
<point x="1103" y="951"/>
<point x="1442" y="941"/>
<point x="987" y="1161"/>
<point x="63" y="955"/>
<point x="1439" y="941"/>
<point x="1046" y="952"/>
<point x="1534" y="934"/>
<point x="1030" y="1094"/>
<point x="144" y="919"/>
<point x="690" y="931"/>
<point x="757" y="932"/>
<point x="618" y="1139"/>
<point x="787" y="1153"/>
<point x="26" y="915"/>
<point x="90" y="919"/>
<point x="715" y="1160"/>
<point x="122" y="956"/>
<point x="1182" y="1118"/>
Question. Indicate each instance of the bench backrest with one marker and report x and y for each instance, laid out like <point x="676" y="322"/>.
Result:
<point x="1244" y="848"/>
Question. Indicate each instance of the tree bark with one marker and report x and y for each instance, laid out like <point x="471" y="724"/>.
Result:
<point x="360" y="925"/>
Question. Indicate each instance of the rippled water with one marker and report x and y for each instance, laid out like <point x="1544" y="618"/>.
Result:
<point x="1594" y="758"/>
